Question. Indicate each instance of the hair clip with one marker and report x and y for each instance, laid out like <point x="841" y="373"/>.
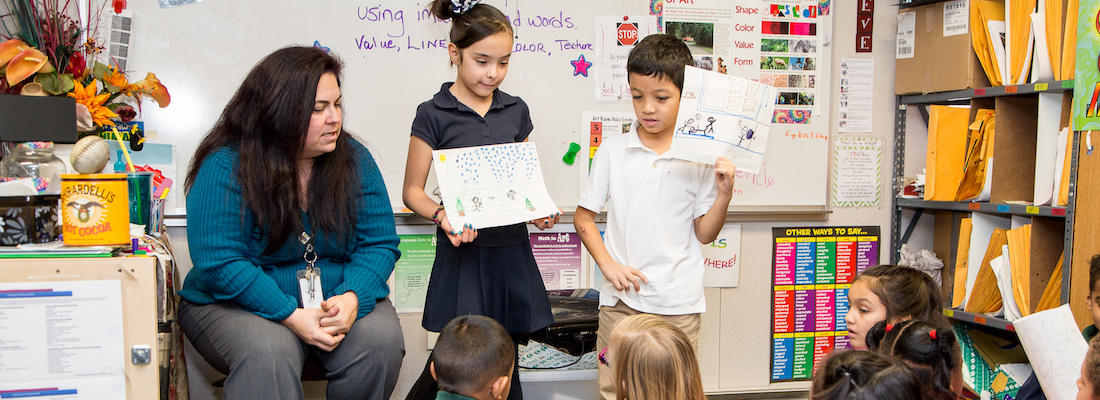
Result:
<point x="462" y="6"/>
<point x="932" y="334"/>
<point x="603" y="357"/>
<point x="889" y="327"/>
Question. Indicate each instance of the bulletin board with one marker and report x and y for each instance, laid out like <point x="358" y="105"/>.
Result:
<point x="395" y="56"/>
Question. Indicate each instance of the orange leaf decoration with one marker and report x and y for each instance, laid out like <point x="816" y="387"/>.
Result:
<point x="26" y="63"/>
<point x="152" y="87"/>
<point x="10" y="49"/>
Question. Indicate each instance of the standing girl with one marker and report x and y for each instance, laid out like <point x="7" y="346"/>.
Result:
<point x="490" y="272"/>
<point x="893" y="294"/>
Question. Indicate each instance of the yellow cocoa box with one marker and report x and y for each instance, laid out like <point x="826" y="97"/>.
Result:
<point x="95" y="210"/>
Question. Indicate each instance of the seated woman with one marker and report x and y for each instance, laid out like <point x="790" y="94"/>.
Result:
<point x="292" y="239"/>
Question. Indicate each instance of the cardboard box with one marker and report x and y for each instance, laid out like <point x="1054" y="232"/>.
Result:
<point x="939" y="63"/>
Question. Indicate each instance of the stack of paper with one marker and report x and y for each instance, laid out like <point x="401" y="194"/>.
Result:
<point x="981" y="235"/>
<point x="1021" y="40"/>
<point x="1046" y="147"/>
<point x="987" y="17"/>
<point x="947" y="132"/>
<point x="1069" y="40"/>
<point x="1019" y="252"/>
<point x="978" y="170"/>
<point x="958" y="295"/>
<point x="985" y="296"/>
<point x="1052" y="295"/>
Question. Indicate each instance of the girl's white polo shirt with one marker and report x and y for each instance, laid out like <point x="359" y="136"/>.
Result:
<point x="652" y="203"/>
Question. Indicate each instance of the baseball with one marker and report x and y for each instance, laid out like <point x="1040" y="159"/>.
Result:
<point x="90" y="155"/>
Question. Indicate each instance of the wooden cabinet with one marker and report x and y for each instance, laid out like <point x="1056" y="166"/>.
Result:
<point x="139" y="281"/>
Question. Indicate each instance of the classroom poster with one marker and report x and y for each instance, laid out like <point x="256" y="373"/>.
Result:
<point x="1086" y="78"/>
<point x="790" y="57"/>
<point x="708" y="28"/>
<point x="812" y="269"/>
<point x="558" y="255"/>
<point x="615" y="37"/>
<point x="857" y="172"/>
<point x="857" y="84"/>
<point x="722" y="258"/>
<point x="595" y="126"/>
<point x="412" y="272"/>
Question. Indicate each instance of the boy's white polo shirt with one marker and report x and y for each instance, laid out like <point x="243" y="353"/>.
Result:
<point x="652" y="203"/>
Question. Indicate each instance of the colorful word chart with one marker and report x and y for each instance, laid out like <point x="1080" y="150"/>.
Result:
<point x="813" y="268"/>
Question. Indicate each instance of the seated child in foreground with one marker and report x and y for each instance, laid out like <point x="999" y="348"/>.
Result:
<point x="652" y="359"/>
<point x="930" y="351"/>
<point x="1090" y="373"/>
<point x="473" y="359"/>
<point x="863" y="375"/>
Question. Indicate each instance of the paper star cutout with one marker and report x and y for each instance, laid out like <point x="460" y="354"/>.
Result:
<point x="580" y="66"/>
<point x="317" y="44"/>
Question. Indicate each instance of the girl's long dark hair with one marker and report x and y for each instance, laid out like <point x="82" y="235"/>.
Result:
<point x="266" y="122"/>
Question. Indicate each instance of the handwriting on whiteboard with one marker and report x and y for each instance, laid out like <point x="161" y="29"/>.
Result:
<point x="402" y="26"/>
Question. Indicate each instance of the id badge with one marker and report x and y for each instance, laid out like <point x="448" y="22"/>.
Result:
<point x="309" y="285"/>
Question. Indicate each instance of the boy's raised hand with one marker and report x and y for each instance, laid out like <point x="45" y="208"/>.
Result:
<point x="623" y="276"/>
<point x="724" y="171"/>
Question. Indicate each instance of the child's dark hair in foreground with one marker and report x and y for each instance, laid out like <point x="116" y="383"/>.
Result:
<point x="863" y="375"/>
<point x="931" y="352"/>
<point x="472" y="355"/>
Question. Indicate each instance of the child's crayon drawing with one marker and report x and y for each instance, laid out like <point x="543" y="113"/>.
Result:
<point x="490" y="186"/>
<point x="723" y="115"/>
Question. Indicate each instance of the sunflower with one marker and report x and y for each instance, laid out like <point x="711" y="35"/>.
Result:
<point x="86" y="96"/>
<point x="115" y="78"/>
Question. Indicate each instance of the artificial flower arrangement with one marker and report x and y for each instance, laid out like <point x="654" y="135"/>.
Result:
<point x="44" y="55"/>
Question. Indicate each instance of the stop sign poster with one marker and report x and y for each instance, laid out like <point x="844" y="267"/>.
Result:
<point x="615" y="36"/>
<point x="627" y="33"/>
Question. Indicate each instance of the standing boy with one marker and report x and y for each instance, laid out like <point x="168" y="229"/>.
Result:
<point x="659" y="208"/>
<point x="1094" y="297"/>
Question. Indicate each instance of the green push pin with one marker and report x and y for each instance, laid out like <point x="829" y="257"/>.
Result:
<point x="571" y="155"/>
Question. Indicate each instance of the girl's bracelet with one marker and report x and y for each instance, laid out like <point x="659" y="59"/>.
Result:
<point x="435" y="216"/>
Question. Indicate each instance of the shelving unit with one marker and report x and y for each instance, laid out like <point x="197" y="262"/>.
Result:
<point x="1012" y="103"/>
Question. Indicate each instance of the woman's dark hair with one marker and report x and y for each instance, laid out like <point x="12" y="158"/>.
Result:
<point x="479" y="22"/>
<point x="930" y="351"/>
<point x="863" y="375"/>
<point x="266" y="121"/>
<point x="905" y="293"/>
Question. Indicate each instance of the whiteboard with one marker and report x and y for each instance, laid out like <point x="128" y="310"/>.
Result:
<point x="395" y="56"/>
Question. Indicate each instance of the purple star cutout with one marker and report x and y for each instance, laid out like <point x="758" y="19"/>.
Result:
<point x="580" y="66"/>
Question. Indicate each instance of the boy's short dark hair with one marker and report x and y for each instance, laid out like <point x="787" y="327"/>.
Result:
<point x="660" y="55"/>
<point x="471" y="351"/>
<point x="1094" y="273"/>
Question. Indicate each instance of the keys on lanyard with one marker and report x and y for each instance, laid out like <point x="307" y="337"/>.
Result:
<point x="310" y="278"/>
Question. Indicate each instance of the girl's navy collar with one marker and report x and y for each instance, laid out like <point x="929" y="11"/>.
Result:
<point x="444" y="99"/>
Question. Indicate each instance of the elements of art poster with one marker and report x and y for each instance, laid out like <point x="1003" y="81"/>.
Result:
<point x="489" y="186"/>
<point x="813" y="268"/>
<point x="723" y="115"/>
